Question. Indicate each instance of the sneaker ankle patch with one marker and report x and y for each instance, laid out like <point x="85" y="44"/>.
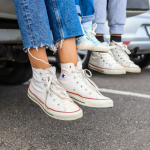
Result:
<point x="63" y="75"/>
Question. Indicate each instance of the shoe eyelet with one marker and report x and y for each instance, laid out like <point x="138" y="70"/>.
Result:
<point x="50" y="95"/>
<point x="85" y="89"/>
<point x="74" y="89"/>
<point x="74" y="77"/>
<point x="53" y="100"/>
<point x="58" y="104"/>
<point x="45" y="85"/>
<point x="77" y="82"/>
<point x="40" y="73"/>
<point x="81" y="86"/>
<point x="101" y="57"/>
<point x="103" y="61"/>
<point x="118" y="55"/>
<point x="70" y="66"/>
<point x="43" y="79"/>
<point x="90" y="93"/>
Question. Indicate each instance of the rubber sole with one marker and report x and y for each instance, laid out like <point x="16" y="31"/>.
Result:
<point x="90" y="47"/>
<point x="110" y="72"/>
<point x="91" y="103"/>
<point x="133" y="70"/>
<point x="56" y="115"/>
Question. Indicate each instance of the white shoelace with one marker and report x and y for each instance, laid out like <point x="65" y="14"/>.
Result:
<point x="82" y="74"/>
<point x="92" y="33"/>
<point x="123" y="52"/>
<point x="59" y="91"/>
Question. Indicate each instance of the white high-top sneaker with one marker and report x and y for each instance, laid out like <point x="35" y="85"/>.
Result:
<point x="105" y="63"/>
<point x="80" y="88"/>
<point x="46" y="91"/>
<point x="120" y="53"/>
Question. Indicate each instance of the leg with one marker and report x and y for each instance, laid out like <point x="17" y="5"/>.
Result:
<point x="36" y="34"/>
<point x="87" y="10"/>
<point x="32" y="39"/>
<point x="100" y="7"/>
<point x="103" y="62"/>
<point x="68" y="52"/>
<point x="73" y="79"/>
<point x="117" y="16"/>
<point x="116" y="19"/>
<point x="87" y="15"/>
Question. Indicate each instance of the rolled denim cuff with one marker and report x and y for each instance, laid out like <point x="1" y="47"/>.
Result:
<point x="117" y="29"/>
<point x="100" y="28"/>
<point x="87" y="18"/>
<point x="78" y="9"/>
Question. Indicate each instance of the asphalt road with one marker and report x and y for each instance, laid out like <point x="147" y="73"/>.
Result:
<point x="24" y="126"/>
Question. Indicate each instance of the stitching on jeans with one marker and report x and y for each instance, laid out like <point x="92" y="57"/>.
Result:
<point x="58" y="19"/>
<point x="24" y="4"/>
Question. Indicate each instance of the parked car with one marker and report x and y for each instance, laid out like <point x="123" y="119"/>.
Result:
<point x="14" y="63"/>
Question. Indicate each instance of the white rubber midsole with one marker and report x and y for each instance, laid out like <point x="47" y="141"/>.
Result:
<point x="105" y="71"/>
<point x="91" y="102"/>
<point x="133" y="70"/>
<point x="53" y="114"/>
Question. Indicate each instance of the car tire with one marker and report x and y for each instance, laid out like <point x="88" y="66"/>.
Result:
<point x="142" y="60"/>
<point x="83" y="56"/>
<point x="13" y="73"/>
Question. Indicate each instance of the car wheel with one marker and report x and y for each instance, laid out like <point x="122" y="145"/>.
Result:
<point x="12" y="73"/>
<point x="83" y="56"/>
<point x="142" y="60"/>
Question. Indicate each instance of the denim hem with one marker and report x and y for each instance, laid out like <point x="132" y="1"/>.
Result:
<point x="50" y="46"/>
<point x="87" y="18"/>
<point x="117" y="29"/>
<point x="66" y="37"/>
<point x="78" y="9"/>
<point x="100" y="28"/>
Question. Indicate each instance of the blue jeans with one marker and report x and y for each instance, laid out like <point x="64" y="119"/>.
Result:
<point x="37" y="18"/>
<point x="86" y="9"/>
<point x="116" y="15"/>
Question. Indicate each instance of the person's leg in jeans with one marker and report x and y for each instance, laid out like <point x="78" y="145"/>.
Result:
<point x="116" y="22"/>
<point x="85" y="9"/>
<point x="103" y="62"/>
<point x="35" y="19"/>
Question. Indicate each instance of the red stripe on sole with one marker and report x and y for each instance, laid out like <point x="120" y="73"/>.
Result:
<point x="87" y="97"/>
<point x="53" y="109"/>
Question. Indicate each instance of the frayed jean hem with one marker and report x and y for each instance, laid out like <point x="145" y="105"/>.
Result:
<point x="52" y="47"/>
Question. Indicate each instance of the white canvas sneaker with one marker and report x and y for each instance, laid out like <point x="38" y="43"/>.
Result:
<point x="46" y="91"/>
<point x="90" y="33"/>
<point x="80" y="88"/>
<point x="105" y="63"/>
<point x="120" y="53"/>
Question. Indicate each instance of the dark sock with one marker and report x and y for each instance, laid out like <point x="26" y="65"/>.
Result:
<point x="115" y="38"/>
<point x="100" y="38"/>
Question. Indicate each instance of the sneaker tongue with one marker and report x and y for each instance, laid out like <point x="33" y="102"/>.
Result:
<point x="51" y="70"/>
<point x="87" y="26"/>
<point x="79" y="66"/>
